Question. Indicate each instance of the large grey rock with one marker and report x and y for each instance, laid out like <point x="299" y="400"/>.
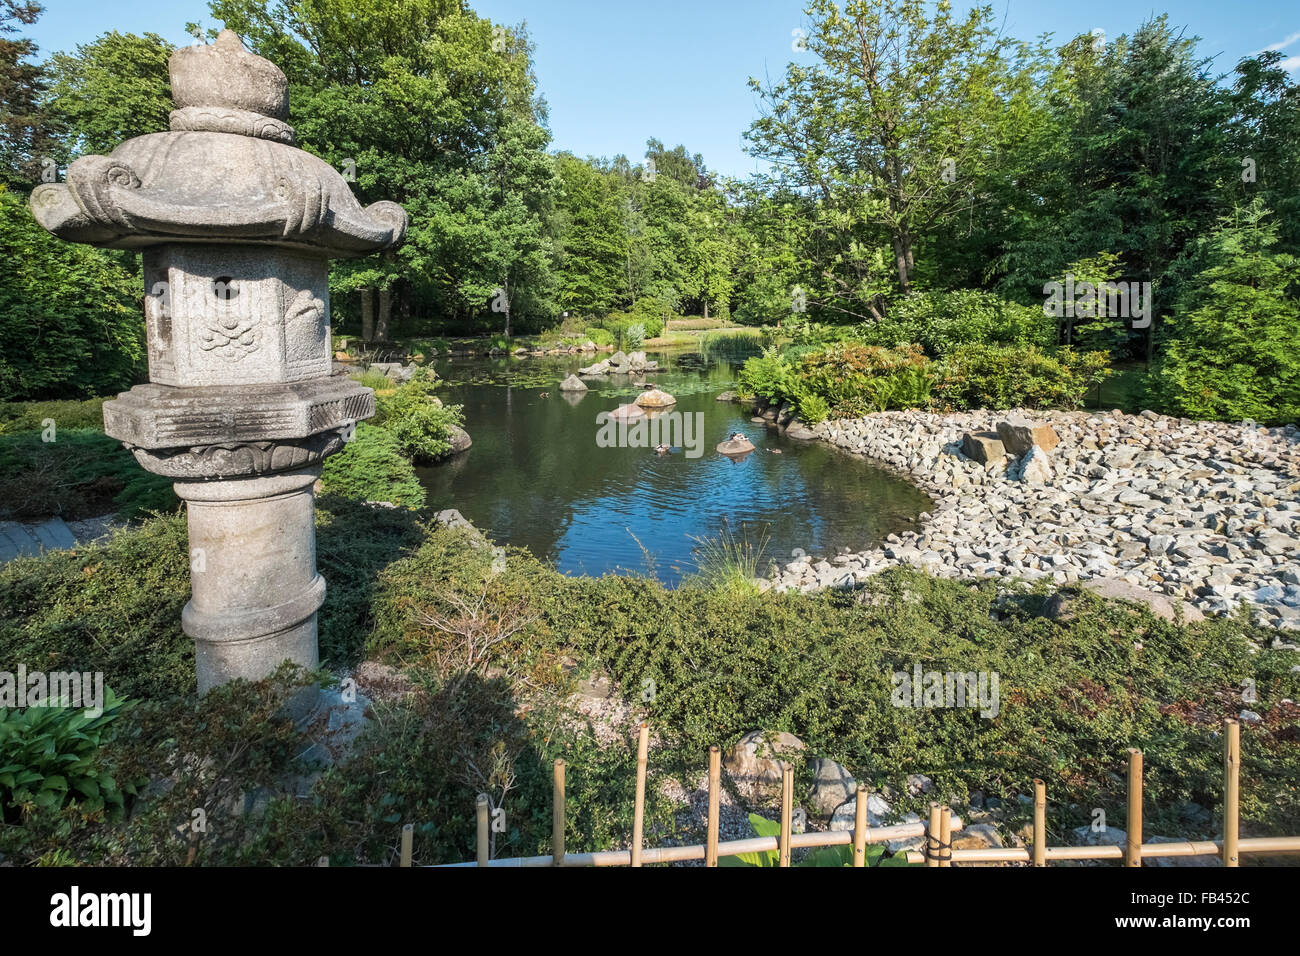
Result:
<point x="832" y="786"/>
<point x="846" y="814"/>
<point x="984" y="447"/>
<point x="1061" y="606"/>
<point x="757" y="761"/>
<point x="573" y="384"/>
<point x="460" y="440"/>
<point x="1019" y="435"/>
<point x="1036" y="468"/>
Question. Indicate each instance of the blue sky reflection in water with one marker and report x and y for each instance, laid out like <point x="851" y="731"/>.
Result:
<point x="536" y="477"/>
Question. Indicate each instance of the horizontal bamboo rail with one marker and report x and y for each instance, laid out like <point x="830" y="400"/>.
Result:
<point x="679" y="854"/>
<point x="1259" y="846"/>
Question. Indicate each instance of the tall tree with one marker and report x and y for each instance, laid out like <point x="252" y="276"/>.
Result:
<point x="26" y="146"/>
<point x="900" y="111"/>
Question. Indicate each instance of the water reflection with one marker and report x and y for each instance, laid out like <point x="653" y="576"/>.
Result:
<point x="537" y="477"/>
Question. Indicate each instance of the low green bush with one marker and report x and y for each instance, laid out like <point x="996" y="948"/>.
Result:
<point x="418" y="420"/>
<point x="64" y="415"/>
<point x="599" y="336"/>
<point x="51" y="756"/>
<point x="842" y="381"/>
<point x="1001" y="377"/>
<point x="373" y="467"/>
<point x="82" y="473"/>
<point x="941" y="322"/>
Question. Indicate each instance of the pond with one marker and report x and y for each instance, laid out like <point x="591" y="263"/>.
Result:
<point x="538" y="475"/>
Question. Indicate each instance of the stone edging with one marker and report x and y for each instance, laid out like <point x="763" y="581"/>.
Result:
<point x="1203" y="512"/>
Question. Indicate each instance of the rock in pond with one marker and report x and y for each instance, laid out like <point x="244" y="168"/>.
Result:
<point x="573" y="384"/>
<point x="460" y="440"/>
<point x="654" y="398"/>
<point x="736" y="445"/>
<point x="626" y="413"/>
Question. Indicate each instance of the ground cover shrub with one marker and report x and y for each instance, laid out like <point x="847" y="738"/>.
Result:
<point x="373" y="467"/>
<point x="940" y="322"/>
<point x="81" y="473"/>
<point x="704" y="665"/>
<point x="36" y="416"/>
<point x="1001" y="377"/>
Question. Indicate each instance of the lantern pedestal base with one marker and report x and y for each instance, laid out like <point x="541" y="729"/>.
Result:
<point x="253" y="570"/>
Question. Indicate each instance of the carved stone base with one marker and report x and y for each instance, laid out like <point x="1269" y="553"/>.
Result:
<point x="155" y="417"/>
<point x="253" y="570"/>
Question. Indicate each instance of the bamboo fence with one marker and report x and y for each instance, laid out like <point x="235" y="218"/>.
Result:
<point x="938" y="849"/>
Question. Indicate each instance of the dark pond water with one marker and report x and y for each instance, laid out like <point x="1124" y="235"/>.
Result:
<point x="538" y="476"/>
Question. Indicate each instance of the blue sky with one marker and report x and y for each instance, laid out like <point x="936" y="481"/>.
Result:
<point x="616" y="72"/>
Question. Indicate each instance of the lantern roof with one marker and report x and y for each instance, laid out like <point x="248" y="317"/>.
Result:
<point x="227" y="171"/>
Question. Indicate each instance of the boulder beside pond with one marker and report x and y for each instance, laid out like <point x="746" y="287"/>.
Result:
<point x="573" y="384"/>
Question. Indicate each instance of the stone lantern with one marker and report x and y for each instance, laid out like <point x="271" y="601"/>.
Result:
<point x="236" y="227"/>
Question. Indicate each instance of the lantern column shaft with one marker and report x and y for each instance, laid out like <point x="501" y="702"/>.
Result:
<point x="253" y="567"/>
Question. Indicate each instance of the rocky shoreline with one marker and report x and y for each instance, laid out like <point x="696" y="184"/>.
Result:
<point x="1169" y="511"/>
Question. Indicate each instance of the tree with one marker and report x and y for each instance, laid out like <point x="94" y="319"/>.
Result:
<point x="433" y="107"/>
<point x="1231" y="353"/>
<point x="110" y="90"/>
<point x="899" y="113"/>
<point x="25" y="143"/>
<point x="70" y="316"/>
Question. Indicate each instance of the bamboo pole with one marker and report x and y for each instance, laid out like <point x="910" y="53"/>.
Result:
<point x="1133" y="840"/>
<point x="945" y="836"/>
<point x="715" y="797"/>
<point x="408" y="840"/>
<point x="557" y="814"/>
<point x="638" y="818"/>
<point x="481" y="813"/>
<point x="787" y="815"/>
<point x="932" y="837"/>
<point x="1231" y="791"/>
<point x="860" y="829"/>
<point x="1040" y="823"/>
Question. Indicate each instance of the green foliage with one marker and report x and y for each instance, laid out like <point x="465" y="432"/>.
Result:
<point x="1001" y="377"/>
<point x="66" y="415"/>
<point x="50" y="756"/>
<point x="70" y="319"/>
<point x="111" y="89"/>
<point x="940" y="322"/>
<point x="729" y="561"/>
<point x="1232" y="346"/>
<point x="1074" y="695"/>
<point x="373" y="467"/>
<point x="417" y="419"/>
<point x="113" y="608"/>
<point x="80" y="474"/>
<point x="599" y="336"/>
